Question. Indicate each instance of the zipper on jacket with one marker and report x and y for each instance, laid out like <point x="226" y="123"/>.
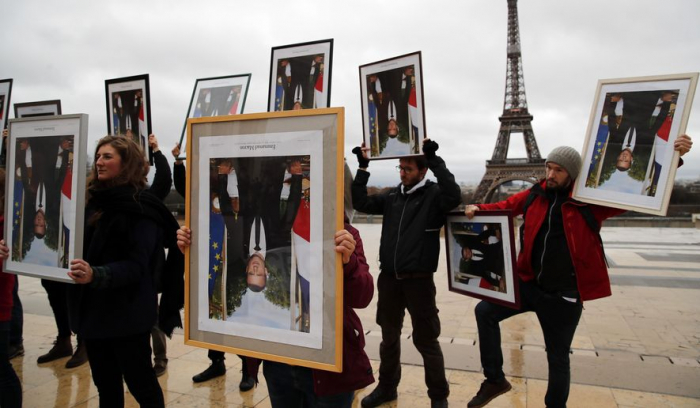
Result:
<point x="549" y="228"/>
<point x="398" y="235"/>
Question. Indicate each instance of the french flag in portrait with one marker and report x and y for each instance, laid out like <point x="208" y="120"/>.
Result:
<point x="67" y="213"/>
<point x="143" y="132"/>
<point x="415" y="114"/>
<point x="660" y="146"/>
<point x="319" y="96"/>
<point x="301" y="235"/>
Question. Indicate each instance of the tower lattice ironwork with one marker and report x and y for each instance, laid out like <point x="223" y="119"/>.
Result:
<point x="515" y="119"/>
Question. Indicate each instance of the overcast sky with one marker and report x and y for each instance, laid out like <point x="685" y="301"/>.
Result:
<point x="66" y="49"/>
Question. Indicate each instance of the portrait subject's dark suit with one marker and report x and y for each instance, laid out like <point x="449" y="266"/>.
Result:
<point x="637" y="111"/>
<point x="260" y="182"/>
<point x="394" y="100"/>
<point x="486" y="258"/>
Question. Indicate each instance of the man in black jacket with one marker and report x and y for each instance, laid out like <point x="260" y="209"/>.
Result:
<point x="413" y="214"/>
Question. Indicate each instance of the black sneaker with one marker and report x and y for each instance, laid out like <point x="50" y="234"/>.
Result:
<point x="216" y="369"/>
<point x="378" y="397"/>
<point x="489" y="391"/>
<point x="15" y="350"/>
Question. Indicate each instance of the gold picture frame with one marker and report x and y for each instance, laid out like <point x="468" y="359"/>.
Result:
<point x="239" y="169"/>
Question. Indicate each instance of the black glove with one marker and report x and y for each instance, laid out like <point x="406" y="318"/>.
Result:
<point x="364" y="162"/>
<point x="429" y="149"/>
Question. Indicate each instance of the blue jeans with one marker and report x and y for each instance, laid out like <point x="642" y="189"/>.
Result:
<point x="293" y="387"/>
<point x="10" y="387"/>
<point x="558" y="318"/>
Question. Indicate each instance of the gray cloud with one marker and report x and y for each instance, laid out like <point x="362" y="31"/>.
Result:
<point x="65" y="50"/>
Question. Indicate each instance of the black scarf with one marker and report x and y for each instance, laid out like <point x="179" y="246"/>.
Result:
<point x="126" y="199"/>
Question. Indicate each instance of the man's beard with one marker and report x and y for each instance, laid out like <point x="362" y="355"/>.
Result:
<point x="554" y="187"/>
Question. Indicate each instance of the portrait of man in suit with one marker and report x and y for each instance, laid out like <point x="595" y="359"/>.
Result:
<point x="259" y="198"/>
<point x="41" y="164"/>
<point x="481" y="257"/>
<point x="391" y="92"/>
<point x="635" y="122"/>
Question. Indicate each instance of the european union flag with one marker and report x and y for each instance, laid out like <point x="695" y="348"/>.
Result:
<point x="17" y="209"/>
<point x="217" y="234"/>
<point x="373" y="130"/>
<point x="279" y="96"/>
<point x="600" y="140"/>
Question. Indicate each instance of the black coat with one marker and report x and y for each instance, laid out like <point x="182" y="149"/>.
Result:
<point x="410" y="243"/>
<point x="125" y="248"/>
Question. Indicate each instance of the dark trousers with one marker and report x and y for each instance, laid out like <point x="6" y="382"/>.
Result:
<point x="17" y="319"/>
<point x="58" y="299"/>
<point x="215" y="355"/>
<point x="558" y="319"/>
<point x="160" y="346"/>
<point x="10" y="387"/>
<point x="124" y="358"/>
<point x="293" y="387"/>
<point x="418" y="296"/>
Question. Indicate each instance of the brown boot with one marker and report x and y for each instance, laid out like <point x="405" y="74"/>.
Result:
<point x="80" y="356"/>
<point x="61" y="348"/>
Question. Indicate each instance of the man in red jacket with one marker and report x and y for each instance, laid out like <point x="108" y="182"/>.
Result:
<point x="560" y="265"/>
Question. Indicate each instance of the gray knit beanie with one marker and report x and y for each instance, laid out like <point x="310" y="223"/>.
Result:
<point x="568" y="158"/>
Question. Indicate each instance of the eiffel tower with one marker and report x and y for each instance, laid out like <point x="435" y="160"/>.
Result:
<point x="515" y="119"/>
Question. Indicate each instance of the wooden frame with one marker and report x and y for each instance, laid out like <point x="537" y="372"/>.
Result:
<point x="481" y="257"/>
<point x="393" y="111"/>
<point x="300" y="76"/>
<point x="129" y="109"/>
<point x="225" y="308"/>
<point x="37" y="109"/>
<point x="45" y="183"/>
<point x="628" y="156"/>
<point x="216" y="96"/>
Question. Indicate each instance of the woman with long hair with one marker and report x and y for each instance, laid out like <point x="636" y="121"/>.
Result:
<point x="114" y="304"/>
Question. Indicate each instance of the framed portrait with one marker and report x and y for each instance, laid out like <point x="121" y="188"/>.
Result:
<point x="45" y="194"/>
<point x="264" y="200"/>
<point x="36" y="109"/>
<point x="5" y="93"/>
<point x="300" y="76"/>
<point x="628" y="156"/>
<point x="481" y="257"/>
<point x="393" y="112"/>
<point x="217" y="96"/>
<point x="129" y="109"/>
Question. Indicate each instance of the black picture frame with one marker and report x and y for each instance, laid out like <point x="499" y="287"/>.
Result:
<point x="226" y="82"/>
<point x="301" y="58"/>
<point x="120" y="119"/>
<point x="5" y="94"/>
<point x="393" y="108"/>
